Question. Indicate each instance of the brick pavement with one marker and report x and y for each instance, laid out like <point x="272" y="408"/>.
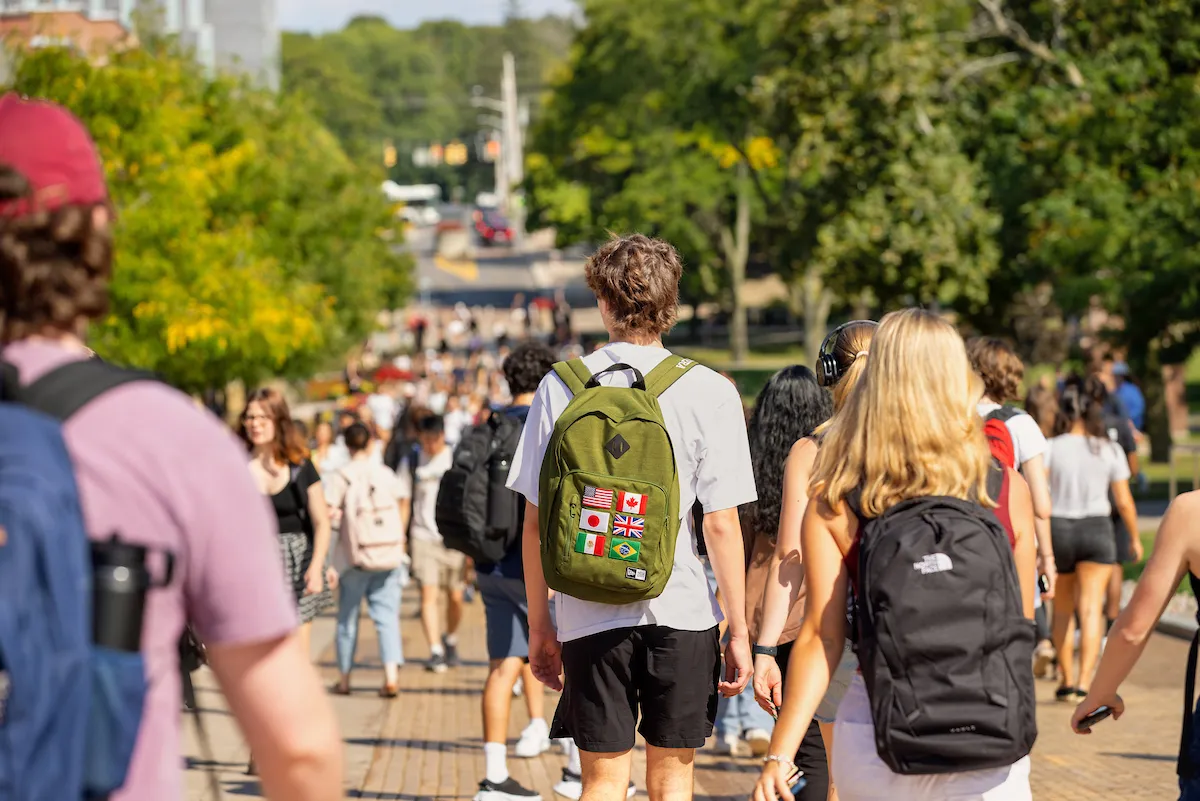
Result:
<point x="426" y="743"/>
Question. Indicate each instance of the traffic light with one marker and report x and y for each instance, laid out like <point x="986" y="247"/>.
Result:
<point x="456" y="154"/>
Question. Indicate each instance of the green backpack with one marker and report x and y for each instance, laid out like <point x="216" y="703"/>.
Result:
<point x="610" y="487"/>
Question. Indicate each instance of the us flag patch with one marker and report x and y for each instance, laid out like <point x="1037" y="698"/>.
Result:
<point x="627" y="526"/>
<point x="597" y="498"/>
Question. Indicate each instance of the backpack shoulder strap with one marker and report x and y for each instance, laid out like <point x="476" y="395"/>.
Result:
<point x="65" y="390"/>
<point x="1183" y="765"/>
<point x="1004" y="413"/>
<point x="668" y="371"/>
<point x="574" y="374"/>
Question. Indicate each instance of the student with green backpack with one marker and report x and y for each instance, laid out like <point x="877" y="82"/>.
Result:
<point x="618" y="446"/>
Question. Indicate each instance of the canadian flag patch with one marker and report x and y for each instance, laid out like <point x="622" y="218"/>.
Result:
<point x="631" y="503"/>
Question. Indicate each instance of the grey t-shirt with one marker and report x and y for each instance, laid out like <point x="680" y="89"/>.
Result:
<point x="1081" y="471"/>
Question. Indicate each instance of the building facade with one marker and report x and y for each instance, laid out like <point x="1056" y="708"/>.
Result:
<point x="235" y="35"/>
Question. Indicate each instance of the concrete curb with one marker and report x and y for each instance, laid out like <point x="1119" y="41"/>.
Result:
<point x="1176" y="626"/>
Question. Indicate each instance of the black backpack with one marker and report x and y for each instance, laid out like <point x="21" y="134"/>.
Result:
<point x="1004" y="413"/>
<point x="476" y="513"/>
<point x="943" y="643"/>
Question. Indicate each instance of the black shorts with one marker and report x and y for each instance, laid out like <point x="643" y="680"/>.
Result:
<point x="671" y="675"/>
<point x="1124" y="547"/>
<point x="1087" y="540"/>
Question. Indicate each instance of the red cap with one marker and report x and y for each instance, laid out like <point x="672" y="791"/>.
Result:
<point x="53" y="150"/>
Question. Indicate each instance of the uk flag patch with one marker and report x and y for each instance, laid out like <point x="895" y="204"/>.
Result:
<point x="628" y="526"/>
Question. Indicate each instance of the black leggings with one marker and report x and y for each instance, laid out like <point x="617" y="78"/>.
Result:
<point x="810" y="757"/>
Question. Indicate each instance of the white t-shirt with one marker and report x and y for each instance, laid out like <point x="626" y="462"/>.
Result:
<point x="1081" y="471"/>
<point x="704" y="417"/>
<point x="429" y="474"/>
<point x="1028" y="440"/>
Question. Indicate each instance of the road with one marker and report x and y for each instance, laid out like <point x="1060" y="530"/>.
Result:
<point x="426" y="744"/>
<point x="494" y="276"/>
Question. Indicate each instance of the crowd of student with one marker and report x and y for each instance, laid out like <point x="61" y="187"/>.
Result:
<point x="867" y="547"/>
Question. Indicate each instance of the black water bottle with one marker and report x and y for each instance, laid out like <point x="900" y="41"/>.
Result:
<point x="120" y="581"/>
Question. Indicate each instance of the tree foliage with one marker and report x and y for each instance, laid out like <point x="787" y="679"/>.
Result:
<point x="247" y="244"/>
<point x="371" y="83"/>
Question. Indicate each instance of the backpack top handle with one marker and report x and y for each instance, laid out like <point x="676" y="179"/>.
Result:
<point x="639" y="380"/>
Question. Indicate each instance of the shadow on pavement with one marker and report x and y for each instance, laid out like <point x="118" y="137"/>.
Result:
<point x="400" y="796"/>
<point x="1147" y="757"/>
<point x="421" y="745"/>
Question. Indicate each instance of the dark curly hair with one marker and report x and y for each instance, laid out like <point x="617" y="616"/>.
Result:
<point x="999" y="366"/>
<point x="638" y="278"/>
<point x="526" y="366"/>
<point x="789" y="408"/>
<point x="54" y="265"/>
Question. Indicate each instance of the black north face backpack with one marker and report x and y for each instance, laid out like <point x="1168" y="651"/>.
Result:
<point x="476" y="513"/>
<point x="945" y="649"/>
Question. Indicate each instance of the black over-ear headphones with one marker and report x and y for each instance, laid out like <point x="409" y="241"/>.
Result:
<point x="829" y="372"/>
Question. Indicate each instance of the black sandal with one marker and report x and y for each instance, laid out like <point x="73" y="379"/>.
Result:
<point x="1065" y="694"/>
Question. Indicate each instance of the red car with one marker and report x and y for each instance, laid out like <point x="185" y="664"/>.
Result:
<point x="492" y="227"/>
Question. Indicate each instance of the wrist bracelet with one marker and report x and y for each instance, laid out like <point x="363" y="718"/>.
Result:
<point x="765" y="650"/>
<point x="781" y="760"/>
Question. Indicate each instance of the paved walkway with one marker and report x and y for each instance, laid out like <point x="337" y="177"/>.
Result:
<point x="426" y="743"/>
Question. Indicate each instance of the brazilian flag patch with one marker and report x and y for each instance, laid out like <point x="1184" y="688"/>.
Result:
<point x="624" y="550"/>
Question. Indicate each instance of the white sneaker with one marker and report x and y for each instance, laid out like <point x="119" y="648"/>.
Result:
<point x="518" y="688"/>
<point x="535" y="740"/>
<point x="734" y="746"/>
<point x="759" y="741"/>
<point x="571" y="786"/>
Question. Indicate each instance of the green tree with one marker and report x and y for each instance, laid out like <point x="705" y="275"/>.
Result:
<point x="1090" y="136"/>
<point x="247" y="245"/>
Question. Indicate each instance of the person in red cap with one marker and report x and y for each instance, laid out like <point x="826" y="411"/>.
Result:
<point x="163" y="473"/>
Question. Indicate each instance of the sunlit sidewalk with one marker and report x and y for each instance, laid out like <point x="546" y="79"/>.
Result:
<point x="425" y="744"/>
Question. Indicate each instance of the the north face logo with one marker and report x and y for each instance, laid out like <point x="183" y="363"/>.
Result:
<point x="934" y="563"/>
<point x="617" y="447"/>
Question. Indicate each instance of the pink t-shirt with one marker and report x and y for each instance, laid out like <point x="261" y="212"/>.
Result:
<point x="166" y="474"/>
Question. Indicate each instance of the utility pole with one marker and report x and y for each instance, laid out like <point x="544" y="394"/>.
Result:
<point x="513" y="151"/>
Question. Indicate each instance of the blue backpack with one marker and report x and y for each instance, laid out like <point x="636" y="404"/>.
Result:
<point x="69" y="709"/>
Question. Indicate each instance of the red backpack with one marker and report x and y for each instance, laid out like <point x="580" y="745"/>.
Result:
<point x="1000" y="438"/>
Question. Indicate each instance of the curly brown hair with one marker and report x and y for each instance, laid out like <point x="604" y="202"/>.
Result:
<point x="638" y="279"/>
<point x="999" y="366"/>
<point x="54" y="264"/>
<point x="289" y="444"/>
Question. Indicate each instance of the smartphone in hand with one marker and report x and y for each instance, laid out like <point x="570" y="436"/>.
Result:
<point x="1091" y="719"/>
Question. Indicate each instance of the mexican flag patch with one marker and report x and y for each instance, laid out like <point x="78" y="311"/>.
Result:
<point x="589" y="544"/>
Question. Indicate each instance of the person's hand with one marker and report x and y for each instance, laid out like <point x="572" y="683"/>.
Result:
<point x="314" y="580"/>
<point x="331" y="578"/>
<point x="1046" y="565"/>
<point x="768" y="684"/>
<point x="738" y="666"/>
<point x="772" y="783"/>
<point x="1139" y="552"/>
<point x="545" y="657"/>
<point x="1093" y="702"/>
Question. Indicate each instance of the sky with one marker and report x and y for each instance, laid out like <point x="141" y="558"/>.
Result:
<point x="326" y="15"/>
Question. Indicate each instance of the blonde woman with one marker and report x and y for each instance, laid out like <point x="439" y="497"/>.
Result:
<point x="841" y="363"/>
<point x="909" y="430"/>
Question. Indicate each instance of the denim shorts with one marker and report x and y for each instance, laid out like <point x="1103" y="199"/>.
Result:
<point x="839" y="682"/>
<point x="506" y="612"/>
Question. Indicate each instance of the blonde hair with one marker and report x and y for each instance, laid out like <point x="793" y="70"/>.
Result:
<point x="851" y="349"/>
<point x="909" y="427"/>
